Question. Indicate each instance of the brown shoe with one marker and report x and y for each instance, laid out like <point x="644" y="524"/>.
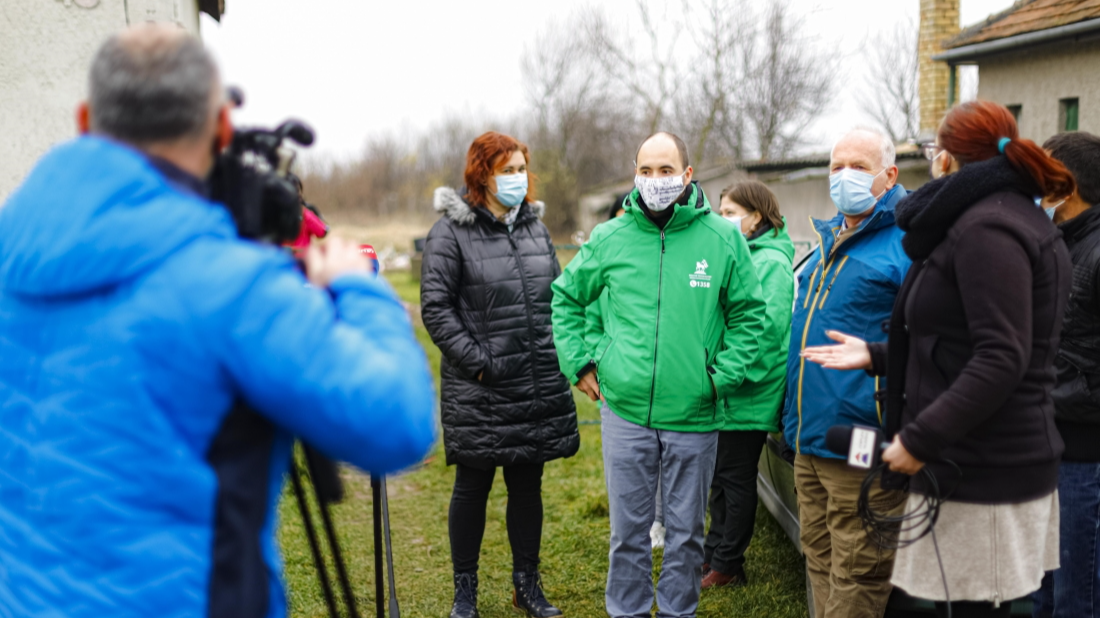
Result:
<point x="714" y="579"/>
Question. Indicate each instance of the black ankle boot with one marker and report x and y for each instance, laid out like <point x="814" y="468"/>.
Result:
<point x="465" y="605"/>
<point x="528" y="595"/>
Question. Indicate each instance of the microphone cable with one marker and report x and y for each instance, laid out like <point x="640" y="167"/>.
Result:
<point x="885" y="530"/>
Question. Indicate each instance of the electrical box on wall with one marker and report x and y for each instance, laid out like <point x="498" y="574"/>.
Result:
<point x="138" y="11"/>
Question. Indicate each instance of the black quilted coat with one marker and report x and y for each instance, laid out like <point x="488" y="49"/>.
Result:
<point x="485" y="300"/>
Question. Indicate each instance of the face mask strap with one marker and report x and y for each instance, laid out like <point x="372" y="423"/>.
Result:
<point x="884" y="191"/>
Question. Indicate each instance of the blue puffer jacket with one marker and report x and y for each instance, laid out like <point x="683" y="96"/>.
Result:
<point x="132" y="320"/>
<point x="851" y="290"/>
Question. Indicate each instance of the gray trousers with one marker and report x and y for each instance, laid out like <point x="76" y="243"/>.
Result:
<point x="634" y="459"/>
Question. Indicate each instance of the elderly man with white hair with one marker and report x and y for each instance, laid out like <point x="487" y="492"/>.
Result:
<point x="848" y="286"/>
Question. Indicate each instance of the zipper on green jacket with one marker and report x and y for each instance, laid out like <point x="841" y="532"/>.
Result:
<point x="656" y="330"/>
<point x="710" y="378"/>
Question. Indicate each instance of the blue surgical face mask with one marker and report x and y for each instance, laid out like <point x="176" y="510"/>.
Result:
<point x="851" y="191"/>
<point x="1051" y="209"/>
<point x="511" y="189"/>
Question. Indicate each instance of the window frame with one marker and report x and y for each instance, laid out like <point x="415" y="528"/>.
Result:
<point x="1069" y="114"/>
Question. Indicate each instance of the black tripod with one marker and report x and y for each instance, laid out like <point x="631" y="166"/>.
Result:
<point x="329" y="489"/>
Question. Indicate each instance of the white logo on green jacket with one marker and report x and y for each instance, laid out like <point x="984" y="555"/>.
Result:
<point x="700" y="278"/>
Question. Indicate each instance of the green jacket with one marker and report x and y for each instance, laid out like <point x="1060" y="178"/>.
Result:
<point x="593" y="321"/>
<point x="673" y="297"/>
<point x="757" y="404"/>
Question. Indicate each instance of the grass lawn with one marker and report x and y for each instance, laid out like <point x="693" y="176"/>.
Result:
<point x="574" y="548"/>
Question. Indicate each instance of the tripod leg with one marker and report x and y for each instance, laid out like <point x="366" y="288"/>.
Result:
<point x="311" y="534"/>
<point x="395" y="610"/>
<point x="319" y="471"/>
<point x="379" y="575"/>
<point x="338" y="560"/>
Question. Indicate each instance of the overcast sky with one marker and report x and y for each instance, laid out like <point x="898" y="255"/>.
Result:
<point x="355" y="69"/>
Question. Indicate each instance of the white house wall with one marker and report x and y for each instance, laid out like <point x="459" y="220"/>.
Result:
<point x="46" y="47"/>
<point x="1039" y="78"/>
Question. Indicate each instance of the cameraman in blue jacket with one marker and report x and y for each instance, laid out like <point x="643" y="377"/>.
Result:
<point x="137" y="331"/>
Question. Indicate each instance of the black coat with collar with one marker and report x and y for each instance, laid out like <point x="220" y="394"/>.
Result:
<point x="973" y="336"/>
<point x="1077" y="367"/>
<point x="485" y="301"/>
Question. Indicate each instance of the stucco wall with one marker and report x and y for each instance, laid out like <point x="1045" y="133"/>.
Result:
<point x="45" y="49"/>
<point x="1039" y="78"/>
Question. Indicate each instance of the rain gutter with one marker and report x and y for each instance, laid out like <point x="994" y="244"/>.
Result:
<point x="968" y="53"/>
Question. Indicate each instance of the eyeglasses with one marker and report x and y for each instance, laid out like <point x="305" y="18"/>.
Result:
<point x="931" y="151"/>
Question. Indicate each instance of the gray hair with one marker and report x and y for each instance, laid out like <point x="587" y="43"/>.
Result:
<point x="889" y="153"/>
<point x="152" y="84"/>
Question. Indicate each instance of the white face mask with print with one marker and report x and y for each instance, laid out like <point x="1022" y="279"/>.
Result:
<point x="659" y="193"/>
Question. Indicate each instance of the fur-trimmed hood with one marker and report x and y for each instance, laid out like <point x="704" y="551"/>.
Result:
<point x="450" y="204"/>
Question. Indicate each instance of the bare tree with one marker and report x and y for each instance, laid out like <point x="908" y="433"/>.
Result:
<point x="788" y="82"/>
<point x="580" y="127"/>
<point x="752" y="81"/>
<point x="647" y="71"/>
<point x="710" y="108"/>
<point x="892" y="82"/>
<point x="734" y="80"/>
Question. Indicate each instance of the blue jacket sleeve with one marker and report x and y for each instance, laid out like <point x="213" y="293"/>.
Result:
<point x="340" y="369"/>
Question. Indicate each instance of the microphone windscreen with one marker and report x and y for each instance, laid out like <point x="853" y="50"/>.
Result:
<point x="838" y="439"/>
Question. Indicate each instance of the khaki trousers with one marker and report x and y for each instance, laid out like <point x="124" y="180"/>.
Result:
<point x="849" y="574"/>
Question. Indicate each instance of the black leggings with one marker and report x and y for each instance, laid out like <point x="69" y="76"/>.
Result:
<point x="467" y="519"/>
<point x="974" y="609"/>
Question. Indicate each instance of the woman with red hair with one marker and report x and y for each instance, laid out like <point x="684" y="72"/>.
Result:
<point x="969" y="361"/>
<point x="485" y="300"/>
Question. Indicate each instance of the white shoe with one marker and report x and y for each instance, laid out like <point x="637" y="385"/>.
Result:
<point x="657" y="535"/>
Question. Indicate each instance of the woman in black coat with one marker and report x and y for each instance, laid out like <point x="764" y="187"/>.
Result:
<point x="485" y="300"/>
<point x="972" y="341"/>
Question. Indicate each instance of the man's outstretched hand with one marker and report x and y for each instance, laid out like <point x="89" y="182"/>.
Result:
<point x="589" y="386"/>
<point x="327" y="262"/>
<point x="852" y="353"/>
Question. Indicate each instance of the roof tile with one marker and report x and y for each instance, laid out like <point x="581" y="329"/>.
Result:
<point x="1027" y="16"/>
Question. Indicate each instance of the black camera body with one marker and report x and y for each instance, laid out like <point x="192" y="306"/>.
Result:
<point x="249" y="179"/>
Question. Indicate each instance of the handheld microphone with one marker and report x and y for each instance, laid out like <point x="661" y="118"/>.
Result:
<point x="861" y="444"/>
<point x="864" y="446"/>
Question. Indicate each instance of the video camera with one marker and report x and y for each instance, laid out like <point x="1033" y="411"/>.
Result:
<point x="250" y="179"/>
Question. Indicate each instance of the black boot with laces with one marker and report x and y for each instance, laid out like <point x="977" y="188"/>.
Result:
<point x="528" y="595"/>
<point x="465" y="605"/>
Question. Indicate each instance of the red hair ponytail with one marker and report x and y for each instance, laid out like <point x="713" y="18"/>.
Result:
<point x="973" y="131"/>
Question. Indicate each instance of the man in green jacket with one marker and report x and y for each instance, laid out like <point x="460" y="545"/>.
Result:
<point x="684" y="310"/>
